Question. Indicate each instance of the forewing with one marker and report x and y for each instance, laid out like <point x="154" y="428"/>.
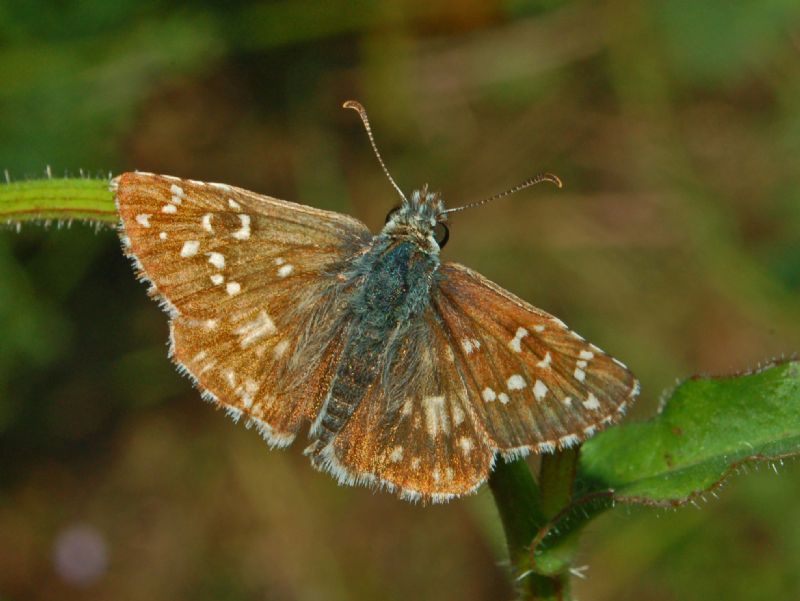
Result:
<point x="250" y="284"/>
<point x="533" y="384"/>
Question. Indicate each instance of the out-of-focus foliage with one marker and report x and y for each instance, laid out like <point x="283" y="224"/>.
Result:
<point x="675" y="245"/>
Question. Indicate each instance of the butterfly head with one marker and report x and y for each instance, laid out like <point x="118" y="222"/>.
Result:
<point x="420" y="218"/>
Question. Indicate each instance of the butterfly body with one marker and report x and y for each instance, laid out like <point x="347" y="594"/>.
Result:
<point x="390" y="287"/>
<point x="411" y="374"/>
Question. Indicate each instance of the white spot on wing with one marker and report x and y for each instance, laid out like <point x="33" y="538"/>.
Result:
<point x="217" y="279"/>
<point x="285" y="270"/>
<point x="545" y="363"/>
<point x="246" y="392"/>
<point x="503" y="398"/>
<point x="470" y="345"/>
<point x="586" y="355"/>
<point x="162" y="235"/>
<point x="516" y="382"/>
<point x="579" y="374"/>
<point x="591" y="402"/>
<point x="457" y="413"/>
<point x="540" y="390"/>
<point x="280" y="348"/>
<point x="516" y="341"/>
<point x="488" y="395"/>
<point x="177" y="194"/>
<point x="143" y="219"/>
<point x="436" y="418"/>
<point x="216" y="259"/>
<point x="234" y="205"/>
<point x="465" y="444"/>
<point x="538" y="328"/>
<point x="190" y="248"/>
<point x="261" y="326"/>
<point x="207" y="223"/>
<point x="243" y="233"/>
<point x="397" y="454"/>
<point x="233" y="288"/>
<point x="169" y="209"/>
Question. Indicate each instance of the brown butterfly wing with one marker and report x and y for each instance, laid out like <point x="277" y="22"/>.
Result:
<point x="467" y="383"/>
<point x="415" y="432"/>
<point x="534" y="384"/>
<point x="249" y="282"/>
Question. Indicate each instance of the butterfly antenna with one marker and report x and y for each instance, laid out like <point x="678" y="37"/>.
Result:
<point x="362" y="112"/>
<point x="538" y="179"/>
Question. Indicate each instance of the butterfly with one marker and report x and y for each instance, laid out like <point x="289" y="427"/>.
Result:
<point x="412" y="374"/>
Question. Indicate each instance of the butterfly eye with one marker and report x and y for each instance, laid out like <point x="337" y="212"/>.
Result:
<point x="442" y="234"/>
<point x="391" y="213"/>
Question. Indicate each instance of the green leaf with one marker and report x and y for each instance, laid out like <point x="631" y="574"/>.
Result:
<point x="707" y="430"/>
<point x="59" y="200"/>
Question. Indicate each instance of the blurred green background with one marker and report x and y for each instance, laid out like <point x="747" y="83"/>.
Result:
<point x="675" y="245"/>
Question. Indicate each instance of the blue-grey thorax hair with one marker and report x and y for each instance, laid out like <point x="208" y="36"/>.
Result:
<point x="387" y="287"/>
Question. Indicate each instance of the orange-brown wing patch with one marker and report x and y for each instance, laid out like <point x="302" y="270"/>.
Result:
<point x="242" y="276"/>
<point x="534" y="384"/>
<point x="415" y="432"/>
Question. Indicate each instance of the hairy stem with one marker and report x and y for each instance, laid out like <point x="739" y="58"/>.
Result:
<point x="64" y="199"/>
<point x="519" y="503"/>
<point x="556" y="478"/>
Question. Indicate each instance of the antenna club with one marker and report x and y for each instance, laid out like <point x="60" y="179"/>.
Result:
<point x="553" y="179"/>
<point x="362" y="112"/>
<point x="355" y="105"/>
<point x="538" y="179"/>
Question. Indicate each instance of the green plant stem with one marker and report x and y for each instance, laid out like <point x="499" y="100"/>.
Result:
<point x="556" y="482"/>
<point x="556" y="479"/>
<point x="518" y="500"/>
<point x="63" y="199"/>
